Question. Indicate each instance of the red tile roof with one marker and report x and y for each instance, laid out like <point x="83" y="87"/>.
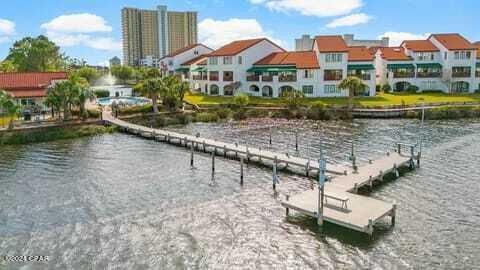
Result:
<point x="302" y="60"/>
<point x="239" y="46"/>
<point x="331" y="44"/>
<point x="182" y="50"/>
<point x="29" y="80"/>
<point x="477" y="44"/>
<point x="29" y="93"/>
<point x="194" y="60"/>
<point x="394" y="54"/>
<point x="420" y="46"/>
<point x="359" y="53"/>
<point x="453" y="41"/>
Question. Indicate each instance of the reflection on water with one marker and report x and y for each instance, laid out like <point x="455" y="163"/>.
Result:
<point x="120" y="202"/>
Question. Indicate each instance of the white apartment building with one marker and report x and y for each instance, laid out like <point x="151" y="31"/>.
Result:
<point x="446" y="62"/>
<point x="259" y="67"/>
<point x="173" y="62"/>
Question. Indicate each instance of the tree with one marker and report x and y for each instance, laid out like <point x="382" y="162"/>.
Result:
<point x="355" y="86"/>
<point x="173" y="91"/>
<point x="143" y="73"/>
<point x="7" y="66"/>
<point x="36" y="54"/>
<point x="9" y="106"/>
<point x="123" y="73"/>
<point x="89" y="73"/>
<point x="151" y="88"/>
<point x="241" y="100"/>
<point x="386" y="88"/>
<point x="292" y="98"/>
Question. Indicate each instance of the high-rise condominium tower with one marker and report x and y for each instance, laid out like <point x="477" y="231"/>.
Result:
<point x="153" y="34"/>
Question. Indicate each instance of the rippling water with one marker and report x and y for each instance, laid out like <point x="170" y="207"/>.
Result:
<point x="120" y="202"/>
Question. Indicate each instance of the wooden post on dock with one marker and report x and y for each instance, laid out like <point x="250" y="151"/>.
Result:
<point x="191" y="155"/>
<point x="394" y="213"/>
<point x="354" y="158"/>
<point x="321" y="184"/>
<point x="274" y="173"/>
<point x="241" y="171"/>
<point x="213" y="165"/>
<point x="287" y="210"/>
<point x="224" y="151"/>
<point x="248" y="154"/>
<point x="370" y="227"/>
<point x="270" y="136"/>
<point x="296" y="140"/>
<point x="204" y="149"/>
<point x="307" y="168"/>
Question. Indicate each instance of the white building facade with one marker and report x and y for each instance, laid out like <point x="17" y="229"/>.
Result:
<point x="173" y="62"/>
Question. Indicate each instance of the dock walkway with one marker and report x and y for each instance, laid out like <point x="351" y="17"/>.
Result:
<point x="356" y="212"/>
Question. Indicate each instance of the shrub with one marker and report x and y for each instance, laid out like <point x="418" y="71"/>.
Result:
<point x="136" y="109"/>
<point x="386" y="88"/>
<point x="102" y="93"/>
<point x="206" y="117"/>
<point x="317" y="112"/>
<point x="378" y="88"/>
<point x="293" y="99"/>
<point x="223" y="113"/>
<point x="93" y="113"/>
<point x="241" y="100"/>
<point x="412" y="88"/>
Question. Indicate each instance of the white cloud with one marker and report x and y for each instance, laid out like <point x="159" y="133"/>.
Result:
<point x="7" y="29"/>
<point x="216" y="33"/>
<point x="82" y="29"/>
<point x="77" y="23"/>
<point x="319" y="8"/>
<point x="396" y="38"/>
<point x="350" y="20"/>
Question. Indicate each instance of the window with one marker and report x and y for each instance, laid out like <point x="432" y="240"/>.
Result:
<point x="227" y="60"/>
<point x="170" y="63"/>
<point x="445" y="56"/>
<point x="307" y="89"/>
<point x="333" y="75"/>
<point x="331" y="89"/>
<point x="240" y="60"/>
<point x="462" y="55"/>
<point x="195" y="52"/>
<point x="308" y="74"/>
<point x="213" y="61"/>
<point x="423" y="56"/>
<point x="333" y="57"/>
<point x="228" y="76"/>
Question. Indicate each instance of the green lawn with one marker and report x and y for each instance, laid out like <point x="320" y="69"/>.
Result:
<point x="380" y="100"/>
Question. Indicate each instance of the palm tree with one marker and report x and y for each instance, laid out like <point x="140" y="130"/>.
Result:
<point x="152" y="88"/>
<point x="8" y="104"/>
<point x="355" y="86"/>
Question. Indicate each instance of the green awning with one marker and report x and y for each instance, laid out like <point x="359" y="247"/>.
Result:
<point x="360" y="67"/>
<point x="261" y="69"/>
<point x="182" y="69"/>
<point x="429" y="65"/>
<point x="200" y="69"/>
<point x="398" y="66"/>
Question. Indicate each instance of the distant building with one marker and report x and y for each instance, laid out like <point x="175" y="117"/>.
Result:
<point x="305" y="43"/>
<point x="30" y="88"/>
<point x="115" y="61"/>
<point x="149" y="35"/>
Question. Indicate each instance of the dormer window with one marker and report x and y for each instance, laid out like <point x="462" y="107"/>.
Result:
<point x="462" y="55"/>
<point x="213" y="60"/>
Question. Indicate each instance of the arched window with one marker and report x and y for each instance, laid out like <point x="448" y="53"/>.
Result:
<point x="214" y="90"/>
<point x="285" y="88"/>
<point x="267" y="91"/>
<point x="254" y="88"/>
<point x="228" y="90"/>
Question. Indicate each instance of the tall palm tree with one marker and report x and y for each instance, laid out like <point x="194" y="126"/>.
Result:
<point x="152" y="88"/>
<point x="355" y="86"/>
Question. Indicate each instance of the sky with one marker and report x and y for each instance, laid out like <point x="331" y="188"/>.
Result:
<point x="91" y="29"/>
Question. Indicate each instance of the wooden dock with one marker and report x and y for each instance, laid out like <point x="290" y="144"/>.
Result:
<point x="341" y="205"/>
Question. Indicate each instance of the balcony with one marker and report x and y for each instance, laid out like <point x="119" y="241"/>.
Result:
<point x="429" y="74"/>
<point x="228" y="78"/>
<point x="477" y="74"/>
<point x="253" y="78"/>
<point x="400" y="75"/>
<point x="213" y="78"/>
<point x="461" y="75"/>
<point x="332" y="77"/>
<point x="267" y="78"/>
<point x="365" y="77"/>
<point x="287" y="78"/>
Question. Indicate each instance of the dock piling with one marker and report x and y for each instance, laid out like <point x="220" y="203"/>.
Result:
<point x="296" y="140"/>
<point x="191" y="155"/>
<point x="213" y="165"/>
<point x="274" y="173"/>
<point x="307" y="168"/>
<point x="270" y="136"/>
<point x="287" y="210"/>
<point x="241" y="171"/>
<point x="394" y="213"/>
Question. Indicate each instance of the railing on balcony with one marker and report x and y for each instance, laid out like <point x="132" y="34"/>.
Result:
<point x="287" y="78"/>
<point x="253" y="78"/>
<point x="213" y="78"/>
<point x="404" y="74"/>
<point x="429" y="74"/>
<point x="365" y="77"/>
<point x="197" y="77"/>
<point x="267" y="78"/>
<point x="227" y="78"/>
<point x="477" y="74"/>
<point x="461" y="74"/>
<point x="332" y="77"/>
